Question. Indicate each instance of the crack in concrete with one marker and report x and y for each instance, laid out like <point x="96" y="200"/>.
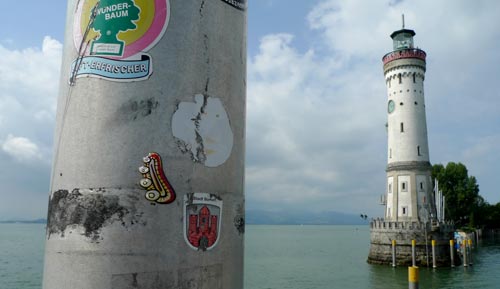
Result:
<point x="200" y="149"/>
<point x="201" y="8"/>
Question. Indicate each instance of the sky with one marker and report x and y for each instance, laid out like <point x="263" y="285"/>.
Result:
<point x="316" y="65"/>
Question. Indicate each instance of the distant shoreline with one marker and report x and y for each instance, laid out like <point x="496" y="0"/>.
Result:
<point x="44" y="221"/>
<point x="37" y="221"/>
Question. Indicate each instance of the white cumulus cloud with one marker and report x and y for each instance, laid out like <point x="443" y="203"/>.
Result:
<point x="29" y="79"/>
<point x="309" y="126"/>
<point x="21" y="148"/>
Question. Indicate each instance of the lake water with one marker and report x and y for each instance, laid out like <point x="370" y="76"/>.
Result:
<point x="280" y="257"/>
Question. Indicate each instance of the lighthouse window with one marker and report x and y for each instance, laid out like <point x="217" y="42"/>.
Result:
<point x="390" y="153"/>
<point x="399" y="77"/>
<point x="416" y="103"/>
<point x="400" y="103"/>
<point x="418" y="150"/>
<point x="404" y="187"/>
<point x="402" y="128"/>
<point x="422" y="187"/>
<point x="405" y="209"/>
<point x="414" y="77"/>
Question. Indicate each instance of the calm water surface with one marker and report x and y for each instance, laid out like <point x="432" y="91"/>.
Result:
<point x="320" y="257"/>
<point x="280" y="257"/>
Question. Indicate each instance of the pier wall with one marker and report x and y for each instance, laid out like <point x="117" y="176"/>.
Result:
<point x="383" y="232"/>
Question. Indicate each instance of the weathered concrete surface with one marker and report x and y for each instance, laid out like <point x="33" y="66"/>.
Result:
<point x="88" y="210"/>
<point x="102" y="230"/>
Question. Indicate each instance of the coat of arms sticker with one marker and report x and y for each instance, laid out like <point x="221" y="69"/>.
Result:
<point x="202" y="220"/>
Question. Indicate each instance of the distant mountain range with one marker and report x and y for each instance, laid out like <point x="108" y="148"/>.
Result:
<point x="262" y="217"/>
<point x="37" y="221"/>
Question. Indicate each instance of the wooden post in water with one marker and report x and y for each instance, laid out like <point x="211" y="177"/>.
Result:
<point x="452" y="253"/>
<point x="464" y="252"/>
<point x="433" y="242"/>
<point x="413" y="277"/>
<point x="413" y="257"/>
<point x="470" y="252"/>
<point x="393" y="253"/>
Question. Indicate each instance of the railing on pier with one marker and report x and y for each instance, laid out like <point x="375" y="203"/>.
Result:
<point x="408" y="225"/>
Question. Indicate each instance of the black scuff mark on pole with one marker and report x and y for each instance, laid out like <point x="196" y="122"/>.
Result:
<point x="239" y="219"/>
<point x="90" y="211"/>
<point x="134" y="281"/>
<point x="239" y="224"/>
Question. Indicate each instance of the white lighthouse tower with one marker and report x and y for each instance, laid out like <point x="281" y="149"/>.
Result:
<point x="410" y="211"/>
<point x="409" y="188"/>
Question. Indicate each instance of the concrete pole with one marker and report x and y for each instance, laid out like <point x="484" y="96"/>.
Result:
<point x="452" y="253"/>
<point x="413" y="253"/>
<point x="413" y="277"/>
<point x="393" y="253"/>
<point x="433" y="242"/>
<point x="148" y="173"/>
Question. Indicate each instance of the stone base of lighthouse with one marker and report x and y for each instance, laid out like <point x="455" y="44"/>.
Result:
<point x="383" y="232"/>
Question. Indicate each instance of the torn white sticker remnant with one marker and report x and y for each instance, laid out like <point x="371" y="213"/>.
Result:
<point x="203" y="129"/>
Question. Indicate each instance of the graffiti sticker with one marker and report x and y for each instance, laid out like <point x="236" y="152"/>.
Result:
<point x="202" y="220"/>
<point x="112" y="36"/>
<point x="154" y="180"/>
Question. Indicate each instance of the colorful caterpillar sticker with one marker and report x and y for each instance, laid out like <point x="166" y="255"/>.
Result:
<point x="154" y="180"/>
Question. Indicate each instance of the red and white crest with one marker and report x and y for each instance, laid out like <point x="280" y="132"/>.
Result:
<point x="202" y="220"/>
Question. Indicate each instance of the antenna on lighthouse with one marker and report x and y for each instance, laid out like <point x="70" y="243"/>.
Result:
<point x="403" y="17"/>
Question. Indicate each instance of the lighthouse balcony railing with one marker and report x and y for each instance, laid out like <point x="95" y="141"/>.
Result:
<point x="404" y="53"/>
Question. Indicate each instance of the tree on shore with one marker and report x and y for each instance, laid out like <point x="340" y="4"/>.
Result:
<point x="464" y="205"/>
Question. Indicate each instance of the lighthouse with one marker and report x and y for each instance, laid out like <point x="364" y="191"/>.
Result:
<point x="409" y="187"/>
<point x="409" y="207"/>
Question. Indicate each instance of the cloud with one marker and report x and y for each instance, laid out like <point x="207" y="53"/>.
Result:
<point x="311" y="129"/>
<point x="29" y="79"/>
<point x="315" y="127"/>
<point x="21" y="148"/>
